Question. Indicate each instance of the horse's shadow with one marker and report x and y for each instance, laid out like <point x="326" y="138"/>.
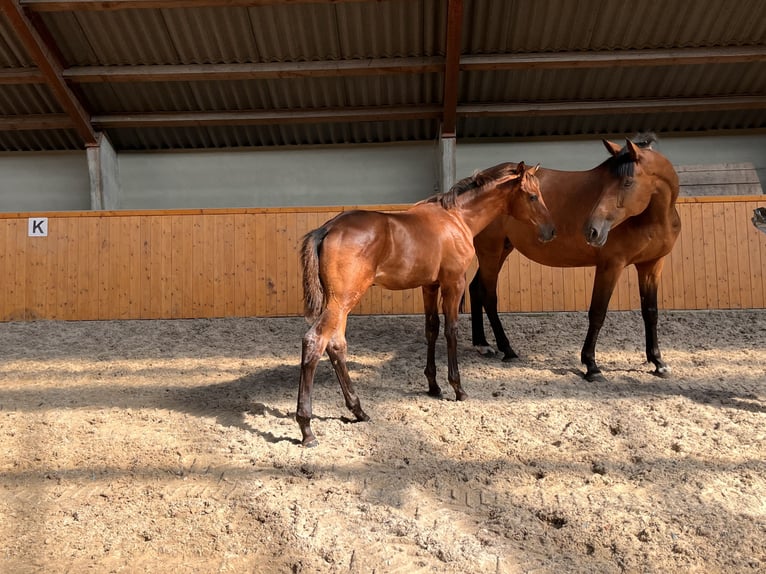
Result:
<point x="250" y="395"/>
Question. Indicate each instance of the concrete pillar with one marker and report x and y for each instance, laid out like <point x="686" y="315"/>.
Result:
<point x="447" y="161"/>
<point x="104" y="174"/>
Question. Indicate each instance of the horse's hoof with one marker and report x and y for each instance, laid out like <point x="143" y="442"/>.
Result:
<point x="510" y="357"/>
<point x="594" y="377"/>
<point x="485" y="350"/>
<point x="362" y="417"/>
<point x="461" y="396"/>
<point x="310" y="443"/>
<point x="662" y="372"/>
<point x="435" y="393"/>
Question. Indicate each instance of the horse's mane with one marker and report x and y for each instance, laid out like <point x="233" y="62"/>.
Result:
<point x="479" y="179"/>
<point x="622" y="165"/>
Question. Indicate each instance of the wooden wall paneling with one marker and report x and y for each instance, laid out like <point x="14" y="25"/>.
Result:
<point x="286" y="253"/>
<point x="742" y="220"/>
<point x="292" y="239"/>
<point x="229" y="266"/>
<point x="241" y="265"/>
<point x="693" y="226"/>
<point x="134" y="304"/>
<point x="732" y="255"/>
<point x="754" y="242"/>
<point x="87" y="256"/>
<point x="688" y="294"/>
<point x="302" y="225"/>
<point x="720" y="269"/>
<point x="524" y="284"/>
<point x="678" y="269"/>
<point x="105" y="262"/>
<point x="165" y="241"/>
<point x="272" y="261"/>
<point x="761" y="254"/>
<point x="261" y="250"/>
<point x="7" y="273"/>
<point x="76" y="268"/>
<point x="149" y="277"/>
<point x="209" y="281"/>
<point x="19" y="264"/>
<point x="546" y="289"/>
<point x="197" y="263"/>
<point x="711" y="255"/>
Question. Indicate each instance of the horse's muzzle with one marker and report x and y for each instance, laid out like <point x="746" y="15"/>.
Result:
<point x="596" y="235"/>
<point x="546" y="233"/>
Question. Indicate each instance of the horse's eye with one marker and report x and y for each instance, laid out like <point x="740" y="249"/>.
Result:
<point x="627" y="182"/>
<point x="532" y="197"/>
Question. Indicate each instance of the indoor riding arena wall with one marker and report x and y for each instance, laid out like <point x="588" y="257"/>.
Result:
<point x="244" y="263"/>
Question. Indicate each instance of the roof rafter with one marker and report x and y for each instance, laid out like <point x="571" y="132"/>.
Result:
<point x="50" y="67"/>
<point x="108" y="5"/>
<point x="583" y="108"/>
<point x="621" y="58"/>
<point x="267" y="117"/>
<point x="260" y="71"/>
<point x="389" y="66"/>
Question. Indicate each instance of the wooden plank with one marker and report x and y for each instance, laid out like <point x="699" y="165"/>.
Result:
<point x="263" y="255"/>
<point x="732" y="255"/>
<point x="71" y="310"/>
<point x="208" y="280"/>
<point x="742" y="225"/>
<point x="721" y="268"/>
<point x="87" y="257"/>
<point x="162" y="239"/>
<point x="107" y="258"/>
<point x="711" y="254"/>
<point x="695" y="229"/>
<point x="754" y="241"/>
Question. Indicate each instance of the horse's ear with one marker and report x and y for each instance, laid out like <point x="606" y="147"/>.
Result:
<point x="633" y="150"/>
<point x="533" y="170"/>
<point x="521" y="168"/>
<point x="612" y="147"/>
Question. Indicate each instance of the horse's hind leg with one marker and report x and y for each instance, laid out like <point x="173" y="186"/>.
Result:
<point x="337" y="353"/>
<point x="648" y="283"/>
<point x="313" y="347"/>
<point x="431" y="307"/>
<point x="603" y="287"/>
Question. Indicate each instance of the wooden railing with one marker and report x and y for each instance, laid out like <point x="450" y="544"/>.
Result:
<point x="244" y="262"/>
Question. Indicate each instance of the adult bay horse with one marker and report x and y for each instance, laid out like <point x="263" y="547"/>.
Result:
<point x="429" y="246"/>
<point x="619" y="213"/>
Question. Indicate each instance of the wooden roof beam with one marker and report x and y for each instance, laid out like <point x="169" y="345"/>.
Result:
<point x="256" y="117"/>
<point x="610" y="59"/>
<point x="109" y="5"/>
<point x="50" y="67"/>
<point x="197" y="72"/>
<point x="452" y="67"/>
<point x="583" y="108"/>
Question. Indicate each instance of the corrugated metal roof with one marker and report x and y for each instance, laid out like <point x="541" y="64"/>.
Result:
<point x="371" y="31"/>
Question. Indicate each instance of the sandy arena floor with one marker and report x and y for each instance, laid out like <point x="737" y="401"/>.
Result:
<point x="170" y="446"/>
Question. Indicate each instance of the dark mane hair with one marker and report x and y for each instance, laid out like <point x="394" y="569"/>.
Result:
<point x="622" y="165"/>
<point x="479" y="179"/>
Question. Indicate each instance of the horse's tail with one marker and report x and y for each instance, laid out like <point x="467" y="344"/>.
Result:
<point x="313" y="292"/>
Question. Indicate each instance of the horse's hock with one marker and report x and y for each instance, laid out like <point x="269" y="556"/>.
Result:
<point x="718" y="179"/>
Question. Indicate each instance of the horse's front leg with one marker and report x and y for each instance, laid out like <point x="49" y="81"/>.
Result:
<point x="431" y="308"/>
<point x="603" y="287"/>
<point x="648" y="283"/>
<point x="451" y="295"/>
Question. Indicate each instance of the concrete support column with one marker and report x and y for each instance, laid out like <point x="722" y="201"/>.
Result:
<point x="447" y="161"/>
<point x="104" y="174"/>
